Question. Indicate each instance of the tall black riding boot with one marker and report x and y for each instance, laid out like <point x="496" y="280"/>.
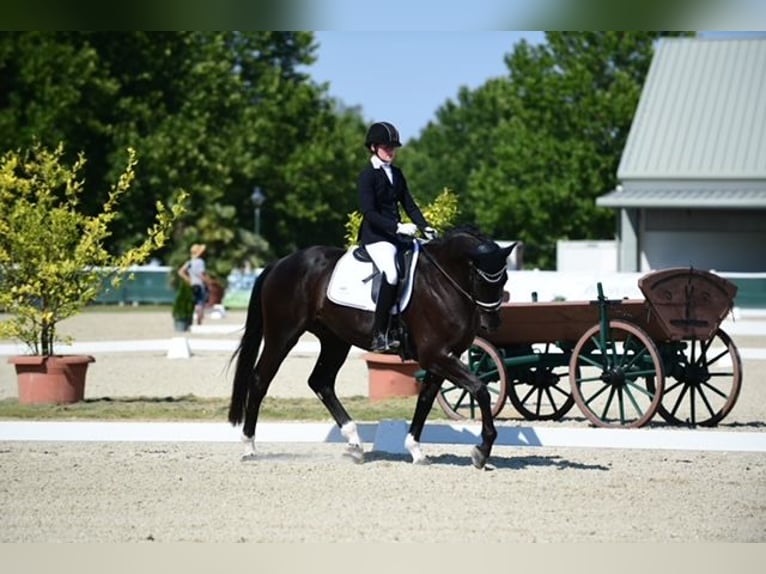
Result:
<point x="380" y="339"/>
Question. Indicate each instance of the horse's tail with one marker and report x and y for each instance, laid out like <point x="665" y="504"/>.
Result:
<point x="247" y="352"/>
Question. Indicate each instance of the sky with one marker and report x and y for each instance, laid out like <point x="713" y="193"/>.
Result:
<point x="404" y="77"/>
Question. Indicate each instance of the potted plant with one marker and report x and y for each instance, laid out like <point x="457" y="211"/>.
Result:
<point x="183" y="307"/>
<point x="53" y="262"/>
<point x="388" y="375"/>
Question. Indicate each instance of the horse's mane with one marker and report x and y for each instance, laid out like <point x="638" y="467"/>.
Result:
<point x="471" y="235"/>
<point x="467" y="229"/>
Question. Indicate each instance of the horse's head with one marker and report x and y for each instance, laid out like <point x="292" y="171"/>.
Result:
<point x="476" y="267"/>
<point x="488" y="277"/>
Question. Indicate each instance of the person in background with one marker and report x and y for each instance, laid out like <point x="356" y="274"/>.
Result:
<point x="382" y="188"/>
<point x="195" y="274"/>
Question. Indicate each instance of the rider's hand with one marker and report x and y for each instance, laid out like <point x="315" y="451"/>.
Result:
<point x="430" y="233"/>
<point x="407" y="229"/>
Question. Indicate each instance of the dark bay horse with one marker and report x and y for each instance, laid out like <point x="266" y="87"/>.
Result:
<point x="459" y="281"/>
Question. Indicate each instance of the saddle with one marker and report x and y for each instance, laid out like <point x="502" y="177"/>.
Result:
<point x="403" y="260"/>
<point x="355" y="282"/>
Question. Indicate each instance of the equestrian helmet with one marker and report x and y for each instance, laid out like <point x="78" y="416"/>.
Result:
<point x="382" y="133"/>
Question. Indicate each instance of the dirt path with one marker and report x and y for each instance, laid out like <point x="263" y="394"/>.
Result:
<point x="129" y="492"/>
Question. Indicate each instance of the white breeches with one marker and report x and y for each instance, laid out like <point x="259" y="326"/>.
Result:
<point x="383" y="255"/>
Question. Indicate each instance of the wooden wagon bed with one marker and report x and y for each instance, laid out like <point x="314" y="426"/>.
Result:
<point x="680" y="304"/>
<point x="612" y="357"/>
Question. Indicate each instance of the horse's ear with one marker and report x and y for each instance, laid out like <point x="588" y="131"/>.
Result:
<point x="492" y="248"/>
<point x="507" y="250"/>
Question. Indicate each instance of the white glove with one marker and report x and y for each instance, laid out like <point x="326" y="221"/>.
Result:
<point x="407" y="229"/>
<point x="430" y="233"/>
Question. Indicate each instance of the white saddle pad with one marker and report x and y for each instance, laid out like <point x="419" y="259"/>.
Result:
<point x="348" y="287"/>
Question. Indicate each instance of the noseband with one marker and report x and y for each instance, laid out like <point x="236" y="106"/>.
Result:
<point x="491" y="278"/>
<point x="488" y="277"/>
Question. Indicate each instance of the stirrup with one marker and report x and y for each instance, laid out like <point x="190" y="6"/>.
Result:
<point x="382" y="343"/>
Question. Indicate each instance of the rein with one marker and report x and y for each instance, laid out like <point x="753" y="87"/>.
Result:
<point x="488" y="277"/>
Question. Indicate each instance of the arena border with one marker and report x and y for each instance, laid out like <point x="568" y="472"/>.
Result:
<point x="385" y="436"/>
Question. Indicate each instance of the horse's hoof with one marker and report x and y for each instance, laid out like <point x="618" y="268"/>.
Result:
<point x="424" y="461"/>
<point x="477" y="458"/>
<point x="354" y="453"/>
<point x="248" y="457"/>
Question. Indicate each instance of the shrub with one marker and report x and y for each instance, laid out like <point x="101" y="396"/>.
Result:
<point x="183" y="305"/>
<point x="440" y="214"/>
<point x="53" y="260"/>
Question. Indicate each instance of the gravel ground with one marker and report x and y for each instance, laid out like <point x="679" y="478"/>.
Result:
<point x="130" y="492"/>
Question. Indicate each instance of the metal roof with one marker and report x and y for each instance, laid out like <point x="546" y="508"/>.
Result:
<point x="685" y="198"/>
<point x="702" y="112"/>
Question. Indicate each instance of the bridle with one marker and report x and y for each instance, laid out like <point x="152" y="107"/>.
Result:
<point x="489" y="277"/>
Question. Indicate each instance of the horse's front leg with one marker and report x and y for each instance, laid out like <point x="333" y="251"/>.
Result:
<point x="480" y="453"/>
<point x="452" y="369"/>
<point x="426" y="397"/>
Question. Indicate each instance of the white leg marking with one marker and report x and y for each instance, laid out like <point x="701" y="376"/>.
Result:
<point x="249" y="453"/>
<point x="414" y="447"/>
<point x="354" y="449"/>
<point x="350" y="433"/>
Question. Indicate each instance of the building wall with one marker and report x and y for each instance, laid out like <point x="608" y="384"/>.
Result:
<point x="723" y="240"/>
<point x="719" y="251"/>
<point x="586" y="255"/>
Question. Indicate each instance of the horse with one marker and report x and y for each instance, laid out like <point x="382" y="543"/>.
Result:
<point x="458" y="287"/>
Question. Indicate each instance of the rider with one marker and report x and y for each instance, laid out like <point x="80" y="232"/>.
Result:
<point x="382" y="187"/>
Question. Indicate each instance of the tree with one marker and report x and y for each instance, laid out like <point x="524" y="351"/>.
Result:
<point x="537" y="147"/>
<point x="463" y="134"/>
<point x="214" y="113"/>
<point x="311" y="187"/>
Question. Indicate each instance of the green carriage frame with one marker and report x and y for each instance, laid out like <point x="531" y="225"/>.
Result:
<point x="621" y="361"/>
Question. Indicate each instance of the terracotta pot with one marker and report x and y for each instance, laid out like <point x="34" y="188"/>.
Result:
<point x="389" y="376"/>
<point x="56" y="379"/>
<point x="215" y="293"/>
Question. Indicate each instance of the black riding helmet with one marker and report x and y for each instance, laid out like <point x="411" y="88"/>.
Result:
<point x="382" y="133"/>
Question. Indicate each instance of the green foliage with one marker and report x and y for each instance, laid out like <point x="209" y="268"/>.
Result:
<point x="183" y="304"/>
<point x="532" y="151"/>
<point x="228" y="246"/>
<point x="440" y="213"/>
<point x="214" y="113"/>
<point x="353" y="223"/>
<point x="53" y="259"/>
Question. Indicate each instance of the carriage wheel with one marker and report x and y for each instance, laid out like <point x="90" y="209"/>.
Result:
<point x="620" y="379"/>
<point x="707" y="379"/>
<point x="484" y="361"/>
<point x="541" y="393"/>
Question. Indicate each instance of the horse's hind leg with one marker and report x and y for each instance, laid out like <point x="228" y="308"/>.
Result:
<point x="322" y="381"/>
<point x="265" y="370"/>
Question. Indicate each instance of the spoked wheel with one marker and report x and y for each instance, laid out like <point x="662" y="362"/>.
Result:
<point x="706" y="379"/>
<point x="484" y="361"/>
<point x="617" y="378"/>
<point x="541" y="392"/>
